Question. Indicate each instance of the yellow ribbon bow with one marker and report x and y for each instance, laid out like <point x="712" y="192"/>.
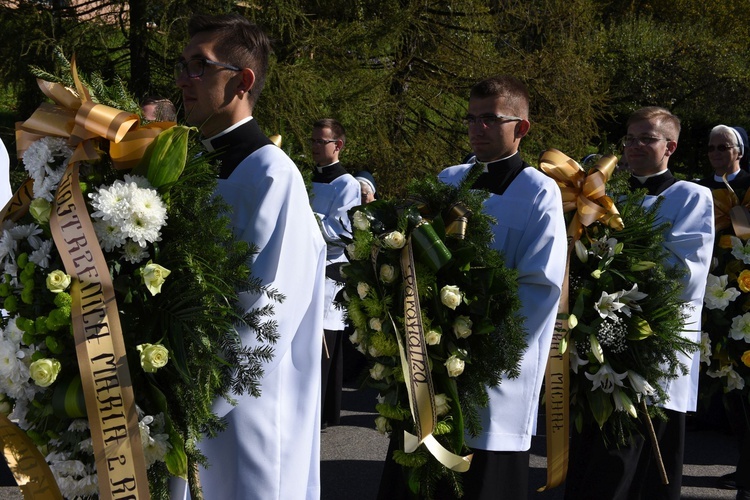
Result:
<point x="74" y="116"/>
<point x="583" y="192"/>
<point x="729" y="211"/>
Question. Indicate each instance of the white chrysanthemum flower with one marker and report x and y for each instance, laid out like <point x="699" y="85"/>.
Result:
<point x="86" y="446"/>
<point x="41" y="256"/>
<point x="133" y="253"/>
<point x="139" y="181"/>
<point x="740" y="329"/>
<point x="28" y="232"/>
<point x="12" y="332"/>
<point x="79" y="425"/>
<point x="740" y="250"/>
<point x="8" y="245"/>
<point x="8" y="358"/>
<point x="111" y="203"/>
<point x="109" y="235"/>
<point x="718" y="296"/>
<point x="606" y="379"/>
<point x="45" y="160"/>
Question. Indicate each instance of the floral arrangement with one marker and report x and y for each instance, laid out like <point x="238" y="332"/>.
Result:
<point x="468" y="304"/>
<point x="725" y="341"/>
<point x="625" y="317"/>
<point x="176" y="270"/>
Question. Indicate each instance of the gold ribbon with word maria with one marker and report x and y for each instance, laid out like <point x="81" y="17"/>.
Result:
<point x="416" y="369"/>
<point x="584" y="194"/>
<point x="100" y="347"/>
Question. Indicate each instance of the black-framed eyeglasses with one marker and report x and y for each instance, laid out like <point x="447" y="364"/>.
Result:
<point x="721" y="148"/>
<point x="629" y="141"/>
<point x="196" y="67"/>
<point x="489" y="120"/>
<point x="321" y="142"/>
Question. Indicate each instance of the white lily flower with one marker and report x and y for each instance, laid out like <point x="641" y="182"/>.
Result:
<point x="629" y="299"/>
<point x="718" y="296"/>
<point x="608" y="305"/>
<point x="623" y="403"/>
<point x="575" y="359"/>
<point x="740" y="250"/>
<point x="640" y="384"/>
<point x="606" y="379"/>
<point x="740" y="329"/>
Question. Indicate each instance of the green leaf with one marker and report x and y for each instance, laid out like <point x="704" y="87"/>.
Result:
<point x="601" y="406"/>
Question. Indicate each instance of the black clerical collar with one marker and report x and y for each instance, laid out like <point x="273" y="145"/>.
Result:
<point x="499" y="174"/>
<point x="655" y="184"/>
<point x="328" y="173"/>
<point x="236" y="144"/>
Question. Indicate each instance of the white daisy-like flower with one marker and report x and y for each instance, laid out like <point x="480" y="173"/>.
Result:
<point x="133" y="253"/>
<point x="740" y="250"/>
<point x="111" y="203"/>
<point x="41" y="256"/>
<point x="79" y="425"/>
<point x="740" y="329"/>
<point x="109" y="235"/>
<point x="718" y="296"/>
<point x="606" y="379"/>
<point x="8" y="245"/>
<point x="28" y="232"/>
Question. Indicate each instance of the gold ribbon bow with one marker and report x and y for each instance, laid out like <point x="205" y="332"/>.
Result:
<point x="74" y="116"/>
<point x="729" y="211"/>
<point x="583" y="192"/>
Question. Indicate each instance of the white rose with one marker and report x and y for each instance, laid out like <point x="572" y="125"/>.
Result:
<point x="450" y="296"/>
<point x="351" y="250"/>
<point x="57" y="281"/>
<point x="44" y="371"/>
<point x="154" y="276"/>
<point x="378" y="371"/>
<point x="433" y="337"/>
<point x="362" y="289"/>
<point x="441" y="404"/>
<point x="387" y="273"/>
<point x="373" y="351"/>
<point x="454" y="365"/>
<point x="382" y="425"/>
<point x="355" y="338"/>
<point x="360" y="221"/>
<point x="462" y="327"/>
<point x="361" y="348"/>
<point x="153" y="356"/>
<point x="375" y="324"/>
<point x="394" y="240"/>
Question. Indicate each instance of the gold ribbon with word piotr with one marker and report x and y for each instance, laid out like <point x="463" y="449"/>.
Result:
<point x="584" y="194"/>
<point x="100" y="347"/>
<point x="415" y="366"/>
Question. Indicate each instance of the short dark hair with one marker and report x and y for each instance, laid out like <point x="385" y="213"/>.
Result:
<point x="667" y="123"/>
<point x="336" y="128"/>
<point x="508" y="87"/>
<point x="164" y="110"/>
<point x="242" y="42"/>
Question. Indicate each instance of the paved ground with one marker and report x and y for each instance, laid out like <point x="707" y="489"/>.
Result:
<point x="352" y="458"/>
<point x="353" y="452"/>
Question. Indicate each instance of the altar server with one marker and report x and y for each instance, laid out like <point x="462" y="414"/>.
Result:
<point x="598" y="470"/>
<point x="334" y="192"/>
<point x="271" y="447"/>
<point x="530" y="233"/>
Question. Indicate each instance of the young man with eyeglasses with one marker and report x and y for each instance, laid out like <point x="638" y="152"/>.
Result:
<point x="726" y="149"/>
<point x="598" y="468"/>
<point x="271" y="446"/>
<point x="334" y="191"/>
<point x="530" y="233"/>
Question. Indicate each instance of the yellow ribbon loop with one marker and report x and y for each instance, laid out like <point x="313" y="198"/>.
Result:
<point x="730" y="211"/>
<point x="583" y="192"/>
<point x="75" y="117"/>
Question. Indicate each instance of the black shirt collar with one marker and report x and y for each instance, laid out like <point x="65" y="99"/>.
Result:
<point x="236" y="145"/>
<point x="655" y="185"/>
<point x="328" y="173"/>
<point x="500" y="174"/>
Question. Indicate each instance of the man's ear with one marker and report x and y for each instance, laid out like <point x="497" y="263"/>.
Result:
<point x="671" y="148"/>
<point x="246" y="82"/>
<point x="522" y="128"/>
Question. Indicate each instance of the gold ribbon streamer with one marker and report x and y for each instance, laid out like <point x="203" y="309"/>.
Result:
<point x="556" y="396"/>
<point x="585" y="195"/>
<point x="100" y="348"/>
<point x="581" y="192"/>
<point x="30" y="470"/>
<point x="457" y="220"/>
<point x="416" y="369"/>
